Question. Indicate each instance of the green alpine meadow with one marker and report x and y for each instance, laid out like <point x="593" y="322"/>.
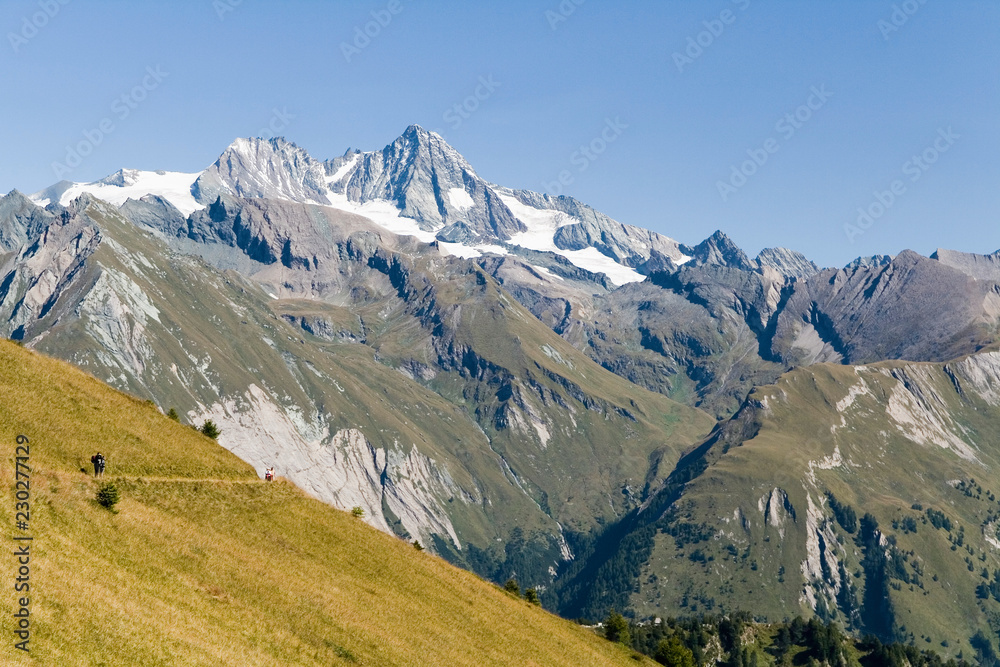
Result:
<point x="204" y="563"/>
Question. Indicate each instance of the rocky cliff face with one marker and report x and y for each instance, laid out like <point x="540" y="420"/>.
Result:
<point x="788" y="263"/>
<point x="418" y="185"/>
<point x="871" y="262"/>
<point x="719" y="250"/>
<point x="430" y="182"/>
<point x="270" y="169"/>
<point x="588" y="228"/>
<point x="893" y="311"/>
<point x="980" y="267"/>
<point x="24" y="221"/>
<point x="721" y="324"/>
<point x="777" y="306"/>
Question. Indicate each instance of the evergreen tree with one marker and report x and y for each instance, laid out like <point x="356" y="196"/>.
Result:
<point x="877" y="613"/>
<point x="782" y="642"/>
<point x="210" y="429"/>
<point x="673" y="653"/>
<point x="616" y="629"/>
<point x="108" y="496"/>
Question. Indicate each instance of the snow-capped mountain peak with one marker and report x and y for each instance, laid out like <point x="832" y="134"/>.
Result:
<point x="264" y="168"/>
<point x="418" y="185"/>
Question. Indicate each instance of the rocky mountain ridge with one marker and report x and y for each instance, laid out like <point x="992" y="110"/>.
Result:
<point x="779" y="309"/>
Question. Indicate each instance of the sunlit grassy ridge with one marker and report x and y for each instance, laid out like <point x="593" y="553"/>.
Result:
<point x="854" y="433"/>
<point x="206" y="565"/>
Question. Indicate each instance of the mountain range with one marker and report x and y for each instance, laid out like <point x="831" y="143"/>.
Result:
<point x="536" y="390"/>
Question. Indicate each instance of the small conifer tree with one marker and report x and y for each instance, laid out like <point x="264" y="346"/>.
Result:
<point x="210" y="429"/>
<point x="674" y="653"/>
<point x="108" y="496"/>
<point x="616" y="629"/>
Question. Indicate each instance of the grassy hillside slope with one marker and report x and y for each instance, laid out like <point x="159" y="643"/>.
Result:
<point x="773" y="524"/>
<point x="206" y="565"/>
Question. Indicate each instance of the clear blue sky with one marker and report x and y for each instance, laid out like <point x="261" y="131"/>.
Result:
<point x="687" y="125"/>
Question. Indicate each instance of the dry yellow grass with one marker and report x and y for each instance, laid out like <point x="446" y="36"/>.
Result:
<point x="205" y="565"/>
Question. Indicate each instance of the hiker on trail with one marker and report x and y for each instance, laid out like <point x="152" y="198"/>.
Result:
<point x="98" y="461"/>
<point x="269" y="474"/>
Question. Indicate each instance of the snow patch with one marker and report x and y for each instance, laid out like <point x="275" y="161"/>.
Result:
<point x="541" y="229"/>
<point x="460" y="199"/>
<point x="343" y="171"/>
<point x="492" y="249"/>
<point x="173" y="186"/>
<point x="459" y="250"/>
<point x="382" y="213"/>
<point x="592" y="259"/>
<point x="546" y="272"/>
